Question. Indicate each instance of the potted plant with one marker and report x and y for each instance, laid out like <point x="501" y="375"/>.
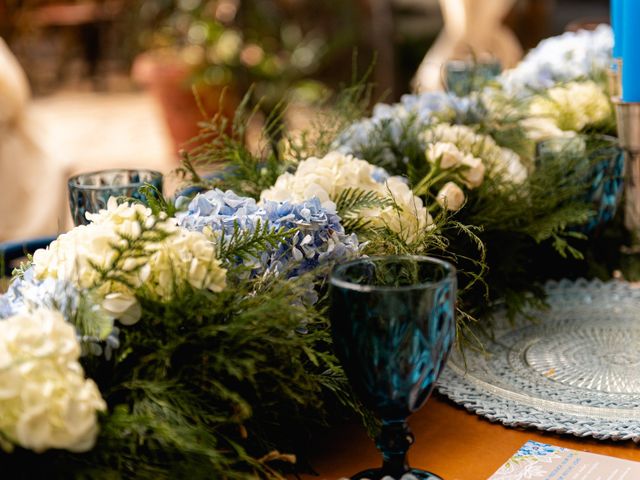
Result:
<point x="200" y="48"/>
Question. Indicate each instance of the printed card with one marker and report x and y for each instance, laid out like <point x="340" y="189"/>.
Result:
<point x="540" y="461"/>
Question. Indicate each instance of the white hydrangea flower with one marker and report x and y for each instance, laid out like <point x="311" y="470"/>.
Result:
<point x="406" y="216"/>
<point x="182" y="257"/>
<point x="510" y="165"/>
<point x="573" y="106"/>
<point x="45" y="401"/>
<point x="326" y="178"/>
<point x="480" y="147"/>
<point x="123" y="215"/>
<point x="451" y="197"/>
<point x="186" y="255"/>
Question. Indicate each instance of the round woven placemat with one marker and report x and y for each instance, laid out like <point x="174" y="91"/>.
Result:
<point x="574" y="369"/>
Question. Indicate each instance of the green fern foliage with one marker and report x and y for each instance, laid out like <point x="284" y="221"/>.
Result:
<point x="244" y="244"/>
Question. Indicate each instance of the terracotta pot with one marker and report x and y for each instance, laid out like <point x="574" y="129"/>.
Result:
<point x="169" y="79"/>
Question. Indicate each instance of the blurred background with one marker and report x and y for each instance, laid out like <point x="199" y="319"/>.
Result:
<point x="94" y="84"/>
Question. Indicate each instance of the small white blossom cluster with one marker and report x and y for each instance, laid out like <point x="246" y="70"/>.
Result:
<point x="570" y="56"/>
<point x="568" y="108"/>
<point x="182" y="257"/>
<point x="459" y="147"/>
<point x="326" y="178"/>
<point x="45" y="400"/>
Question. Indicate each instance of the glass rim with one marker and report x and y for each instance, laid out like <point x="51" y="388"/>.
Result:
<point x="74" y="180"/>
<point x="450" y="274"/>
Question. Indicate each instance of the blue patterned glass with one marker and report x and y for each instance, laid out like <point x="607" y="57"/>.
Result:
<point x="464" y="77"/>
<point x="606" y="176"/>
<point x="89" y="192"/>
<point x="393" y="324"/>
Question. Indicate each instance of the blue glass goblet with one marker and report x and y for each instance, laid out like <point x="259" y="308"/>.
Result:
<point x="89" y="192"/>
<point x="393" y="324"/>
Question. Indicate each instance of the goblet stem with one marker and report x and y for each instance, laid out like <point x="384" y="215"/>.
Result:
<point x="394" y="442"/>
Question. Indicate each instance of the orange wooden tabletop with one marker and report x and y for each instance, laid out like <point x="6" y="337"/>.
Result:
<point x="450" y="442"/>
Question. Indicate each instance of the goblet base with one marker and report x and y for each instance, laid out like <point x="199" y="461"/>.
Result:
<point x="379" y="474"/>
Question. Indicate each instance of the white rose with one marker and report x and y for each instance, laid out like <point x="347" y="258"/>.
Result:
<point x="451" y="197"/>
<point x="49" y="403"/>
<point x="446" y="153"/>
<point x="473" y="174"/>
<point x="542" y="128"/>
<point x="478" y="148"/>
<point x="462" y="136"/>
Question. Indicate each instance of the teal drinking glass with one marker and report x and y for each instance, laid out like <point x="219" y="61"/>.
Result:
<point x="465" y="77"/>
<point x="606" y="175"/>
<point x="393" y="324"/>
<point x="89" y="192"/>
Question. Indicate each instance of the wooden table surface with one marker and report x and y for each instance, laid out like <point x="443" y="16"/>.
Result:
<point x="450" y="442"/>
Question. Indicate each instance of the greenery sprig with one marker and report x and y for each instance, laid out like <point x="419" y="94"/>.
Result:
<point x="245" y="244"/>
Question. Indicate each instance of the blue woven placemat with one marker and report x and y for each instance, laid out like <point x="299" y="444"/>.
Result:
<point x="574" y="370"/>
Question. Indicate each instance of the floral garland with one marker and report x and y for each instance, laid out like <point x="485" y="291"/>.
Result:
<point x="173" y="327"/>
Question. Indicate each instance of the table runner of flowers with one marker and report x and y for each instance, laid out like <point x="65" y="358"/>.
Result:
<point x="189" y="338"/>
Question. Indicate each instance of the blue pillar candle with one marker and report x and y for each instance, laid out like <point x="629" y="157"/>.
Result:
<point x="631" y="51"/>
<point x="616" y="25"/>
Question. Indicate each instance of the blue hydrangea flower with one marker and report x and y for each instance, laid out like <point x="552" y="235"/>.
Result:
<point x="26" y="293"/>
<point x="567" y="57"/>
<point x="402" y="122"/>
<point x="425" y="105"/>
<point x="320" y="237"/>
<point x="380" y="175"/>
<point x="220" y="211"/>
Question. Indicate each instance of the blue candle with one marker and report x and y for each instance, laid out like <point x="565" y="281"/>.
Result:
<point x="616" y="24"/>
<point x="630" y="51"/>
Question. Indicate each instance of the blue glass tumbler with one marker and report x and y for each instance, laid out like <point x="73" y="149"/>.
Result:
<point x="393" y="324"/>
<point x="465" y="77"/>
<point x="90" y="192"/>
<point x="603" y="152"/>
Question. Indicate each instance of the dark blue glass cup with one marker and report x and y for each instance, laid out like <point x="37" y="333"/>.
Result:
<point x="90" y="192"/>
<point x="606" y="176"/>
<point x="393" y="324"/>
<point x="464" y="77"/>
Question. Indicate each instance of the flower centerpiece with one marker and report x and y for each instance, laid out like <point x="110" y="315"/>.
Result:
<point x="177" y="322"/>
<point x="190" y="339"/>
